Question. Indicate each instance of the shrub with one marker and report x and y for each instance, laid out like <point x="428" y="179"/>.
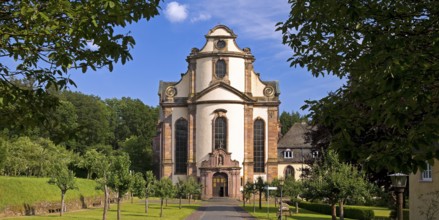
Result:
<point x="349" y="212"/>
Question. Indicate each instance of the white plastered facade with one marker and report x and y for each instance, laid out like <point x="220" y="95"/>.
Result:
<point x="200" y="97"/>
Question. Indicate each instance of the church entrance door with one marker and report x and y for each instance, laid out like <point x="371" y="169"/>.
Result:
<point x="220" y="187"/>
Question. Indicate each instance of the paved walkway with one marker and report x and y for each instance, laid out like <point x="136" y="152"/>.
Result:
<point x="218" y="209"/>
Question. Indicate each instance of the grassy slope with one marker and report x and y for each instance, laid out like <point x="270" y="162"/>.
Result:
<point x="29" y="190"/>
<point x="129" y="211"/>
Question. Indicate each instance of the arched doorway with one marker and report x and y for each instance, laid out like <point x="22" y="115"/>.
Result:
<point x="289" y="171"/>
<point x="219" y="185"/>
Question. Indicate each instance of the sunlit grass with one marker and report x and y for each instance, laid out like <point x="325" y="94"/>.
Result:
<point x="302" y="215"/>
<point x="128" y="211"/>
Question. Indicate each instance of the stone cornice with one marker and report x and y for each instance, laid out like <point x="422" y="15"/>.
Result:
<point x="220" y="54"/>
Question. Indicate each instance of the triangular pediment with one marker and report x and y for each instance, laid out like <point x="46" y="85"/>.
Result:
<point x="221" y="91"/>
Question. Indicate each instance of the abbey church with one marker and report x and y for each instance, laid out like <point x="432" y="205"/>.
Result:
<point x="219" y="121"/>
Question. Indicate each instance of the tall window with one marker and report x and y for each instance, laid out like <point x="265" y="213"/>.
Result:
<point x="181" y="142"/>
<point x="220" y="69"/>
<point x="426" y="174"/>
<point x="258" y="146"/>
<point x="220" y="133"/>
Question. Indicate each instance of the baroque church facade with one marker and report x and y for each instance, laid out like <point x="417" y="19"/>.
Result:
<point x="219" y="122"/>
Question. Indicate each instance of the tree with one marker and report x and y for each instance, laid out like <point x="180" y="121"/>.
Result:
<point x="180" y="191"/>
<point x="103" y="167"/>
<point x="89" y="160"/>
<point x="139" y="183"/>
<point x="93" y="121"/>
<point x="387" y="114"/>
<point x="192" y="188"/>
<point x="164" y="190"/>
<point x="248" y="190"/>
<point x="335" y="182"/>
<point x="260" y="184"/>
<point x="49" y="38"/>
<point x="150" y="181"/>
<point x="293" y="189"/>
<point x="64" y="179"/>
<point x="140" y="151"/>
<point x="119" y="178"/>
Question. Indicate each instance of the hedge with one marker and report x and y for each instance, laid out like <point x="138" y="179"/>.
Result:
<point x="349" y="212"/>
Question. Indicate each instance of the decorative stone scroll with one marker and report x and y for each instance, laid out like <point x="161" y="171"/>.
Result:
<point x="269" y="91"/>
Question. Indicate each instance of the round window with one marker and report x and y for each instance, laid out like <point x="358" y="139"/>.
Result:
<point x="220" y="44"/>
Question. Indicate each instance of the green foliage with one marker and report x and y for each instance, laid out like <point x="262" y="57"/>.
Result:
<point x="335" y="182"/>
<point x="292" y="188"/>
<point x="62" y="177"/>
<point x="287" y="120"/>
<point x="387" y="114"/>
<point x="119" y="176"/>
<point x="33" y="157"/>
<point x="150" y="180"/>
<point x="164" y="189"/>
<point x="140" y="151"/>
<point x="139" y="183"/>
<point x="87" y="37"/>
<point x="192" y="188"/>
<point x="16" y="191"/>
<point x="93" y="121"/>
<point x="89" y="162"/>
<point x="349" y="212"/>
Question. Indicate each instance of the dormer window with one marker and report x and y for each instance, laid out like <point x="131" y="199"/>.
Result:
<point x="288" y="154"/>
<point x="220" y="69"/>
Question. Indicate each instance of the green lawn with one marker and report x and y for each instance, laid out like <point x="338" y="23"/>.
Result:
<point x="128" y="211"/>
<point x="380" y="213"/>
<point x="302" y="215"/>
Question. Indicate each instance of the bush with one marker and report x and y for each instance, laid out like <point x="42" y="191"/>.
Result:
<point x="349" y="212"/>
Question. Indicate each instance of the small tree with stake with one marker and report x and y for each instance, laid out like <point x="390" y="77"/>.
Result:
<point x="164" y="190"/>
<point x="120" y="179"/>
<point x="64" y="179"/>
<point x="149" y="187"/>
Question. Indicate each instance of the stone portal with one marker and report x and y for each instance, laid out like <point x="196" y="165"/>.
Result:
<point x="220" y="176"/>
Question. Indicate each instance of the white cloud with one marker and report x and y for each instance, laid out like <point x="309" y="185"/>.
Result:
<point x="176" y="12"/>
<point x="201" y="17"/>
<point x="255" y="19"/>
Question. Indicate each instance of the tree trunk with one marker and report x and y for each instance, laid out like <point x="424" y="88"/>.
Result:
<point x="260" y="200"/>
<point x="190" y="197"/>
<point x="118" y="206"/>
<point x="297" y="207"/>
<point x="62" y="203"/>
<point x="179" y="203"/>
<point x="132" y="198"/>
<point x="166" y="202"/>
<point x="104" y="215"/>
<point x="341" y="210"/>
<point x="161" y="207"/>
<point x="334" y="212"/>
<point x="146" y="205"/>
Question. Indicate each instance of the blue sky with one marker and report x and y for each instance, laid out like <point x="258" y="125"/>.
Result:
<point x="163" y="43"/>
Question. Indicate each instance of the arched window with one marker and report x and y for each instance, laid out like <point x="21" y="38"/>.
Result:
<point x="258" y="146"/>
<point x="220" y="133"/>
<point x="220" y="69"/>
<point x="181" y="145"/>
<point x="289" y="171"/>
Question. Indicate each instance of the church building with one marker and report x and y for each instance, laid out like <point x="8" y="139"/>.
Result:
<point x="219" y="121"/>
